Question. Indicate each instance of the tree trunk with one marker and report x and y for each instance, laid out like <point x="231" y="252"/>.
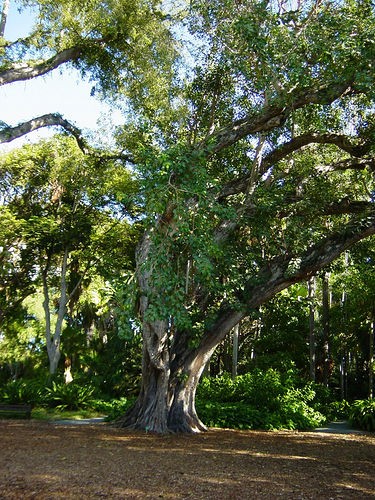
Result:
<point x="312" y="354"/>
<point x="171" y="368"/>
<point x="325" y="327"/>
<point x="54" y="341"/>
<point x="236" y="331"/>
<point x="344" y="322"/>
<point x="3" y="18"/>
<point x="167" y="398"/>
<point x="371" y="357"/>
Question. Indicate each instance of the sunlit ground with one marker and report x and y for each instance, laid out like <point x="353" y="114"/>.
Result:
<point x="43" y="460"/>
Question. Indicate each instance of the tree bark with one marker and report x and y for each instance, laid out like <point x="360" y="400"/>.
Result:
<point x="9" y="134"/>
<point x="371" y="356"/>
<point x="344" y="320"/>
<point x="53" y="341"/>
<point x="170" y="369"/>
<point x="30" y="70"/>
<point x="166" y="402"/>
<point x="312" y="354"/>
<point x="326" y="304"/>
<point x="236" y="331"/>
<point x="3" y="18"/>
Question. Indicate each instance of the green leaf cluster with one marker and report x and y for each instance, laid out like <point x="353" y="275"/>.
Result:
<point x="257" y="400"/>
<point x="362" y="414"/>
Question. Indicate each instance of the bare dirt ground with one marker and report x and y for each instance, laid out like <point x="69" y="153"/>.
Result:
<point x="40" y="460"/>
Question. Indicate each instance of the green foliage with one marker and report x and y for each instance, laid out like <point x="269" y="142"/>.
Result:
<point x="257" y="400"/>
<point x="233" y="415"/>
<point x="69" y="396"/>
<point x="55" y="399"/>
<point x="22" y="391"/>
<point x="124" y="46"/>
<point x="362" y="414"/>
<point x="43" y="393"/>
<point x="60" y="204"/>
<point x="337" y="410"/>
<point x="296" y="409"/>
<point x="115" y="408"/>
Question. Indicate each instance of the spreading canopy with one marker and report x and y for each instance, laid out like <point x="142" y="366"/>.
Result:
<point x="124" y="46"/>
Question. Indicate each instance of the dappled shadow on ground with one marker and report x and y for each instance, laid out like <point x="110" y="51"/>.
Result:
<point x="47" y="461"/>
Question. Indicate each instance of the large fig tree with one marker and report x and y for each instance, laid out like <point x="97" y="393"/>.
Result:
<point x="265" y="180"/>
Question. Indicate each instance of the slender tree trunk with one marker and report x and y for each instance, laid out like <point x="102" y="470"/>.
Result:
<point x="325" y="328"/>
<point x="52" y="349"/>
<point x="236" y="333"/>
<point x="53" y="341"/>
<point x="4" y="15"/>
<point x="343" y="360"/>
<point x="312" y="322"/>
<point x="371" y="357"/>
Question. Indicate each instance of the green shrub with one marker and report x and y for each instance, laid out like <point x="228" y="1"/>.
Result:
<point x="296" y="412"/>
<point x="337" y="410"/>
<point x="220" y="389"/>
<point x="22" y="391"/>
<point x="362" y="414"/>
<point x="230" y="415"/>
<point x="69" y="396"/>
<point x="258" y="388"/>
<point x="257" y="400"/>
<point x="115" y="408"/>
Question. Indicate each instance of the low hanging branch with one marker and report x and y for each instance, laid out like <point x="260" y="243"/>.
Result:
<point x="9" y="134"/>
<point x="27" y="71"/>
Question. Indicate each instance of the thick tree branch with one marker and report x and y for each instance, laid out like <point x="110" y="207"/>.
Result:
<point x="272" y="116"/>
<point x="348" y="164"/>
<point x="52" y="119"/>
<point x="26" y="71"/>
<point x="284" y="271"/>
<point x="9" y="134"/>
<point x="341" y="141"/>
<point x="342" y="207"/>
<point x="237" y="186"/>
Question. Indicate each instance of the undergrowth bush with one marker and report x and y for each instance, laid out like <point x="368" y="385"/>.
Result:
<point x="257" y="400"/>
<point x="69" y="396"/>
<point x="116" y="408"/>
<point x="22" y="391"/>
<point x="337" y="410"/>
<point x="362" y="414"/>
<point x="46" y="393"/>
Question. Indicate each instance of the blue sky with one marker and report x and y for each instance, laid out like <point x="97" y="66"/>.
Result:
<point x="62" y="91"/>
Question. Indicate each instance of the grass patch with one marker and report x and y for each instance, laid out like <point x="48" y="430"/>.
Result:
<point x="40" y="413"/>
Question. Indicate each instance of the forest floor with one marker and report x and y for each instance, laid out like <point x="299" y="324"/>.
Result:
<point x="42" y="460"/>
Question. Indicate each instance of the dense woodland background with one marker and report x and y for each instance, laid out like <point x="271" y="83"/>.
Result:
<point x="228" y="224"/>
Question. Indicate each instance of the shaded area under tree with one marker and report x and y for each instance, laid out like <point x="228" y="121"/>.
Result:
<point x="220" y="464"/>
